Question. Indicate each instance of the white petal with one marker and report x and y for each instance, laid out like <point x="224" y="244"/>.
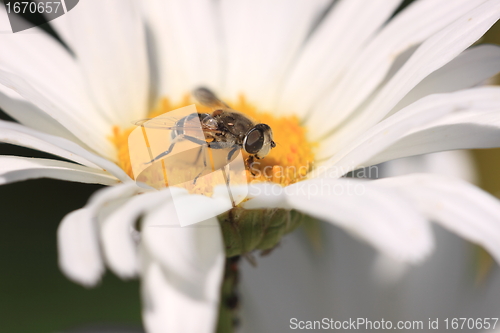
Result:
<point x="381" y="218"/>
<point x="344" y="31"/>
<point x="184" y="267"/>
<point x="109" y="41"/>
<point x="52" y="81"/>
<point x="469" y="69"/>
<point x="78" y="239"/>
<point x="382" y="135"/>
<point x="478" y="126"/>
<point x="108" y="194"/>
<point x="369" y="148"/>
<point x="5" y="26"/>
<point x="458" y="206"/>
<point x="29" y="115"/>
<point x="20" y="135"/>
<point x="167" y="309"/>
<point x="265" y="195"/>
<point x="119" y="245"/>
<point x="13" y="169"/>
<point x="79" y="253"/>
<point x="90" y="132"/>
<point x="185" y="253"/>
<point x="8" y="135"/>
<point x="187" y="43"/>
<point x="454" y="163"/>
<point x="264" y="36"/>
<point x="414" y="25"/>
<point x="430" y="56"/>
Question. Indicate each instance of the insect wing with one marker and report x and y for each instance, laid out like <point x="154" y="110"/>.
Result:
<point x="208" y="98"/>
<point x="167" y="138"/>
<point x="158" y="123"/>
<point x="182" y="127"/>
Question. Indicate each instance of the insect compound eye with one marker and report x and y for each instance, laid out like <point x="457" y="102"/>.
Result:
<point x="254" y="140"/>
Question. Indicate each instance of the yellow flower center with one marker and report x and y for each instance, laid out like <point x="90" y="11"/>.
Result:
<point x="287" y="163"/>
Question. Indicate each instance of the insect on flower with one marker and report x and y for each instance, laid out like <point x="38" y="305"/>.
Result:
<point x="224" y="128"/>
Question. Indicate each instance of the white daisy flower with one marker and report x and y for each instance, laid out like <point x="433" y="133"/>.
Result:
<point x="342" y="85"/>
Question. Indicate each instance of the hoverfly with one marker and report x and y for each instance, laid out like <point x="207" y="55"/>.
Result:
<point x="224" y="128"/>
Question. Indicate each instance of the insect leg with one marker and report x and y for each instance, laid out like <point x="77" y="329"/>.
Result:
<point x="203" y="145"/>
<point x="204" y="152"/>
<point x="176" y="140"/>
<point x="249" y="162"/>
<point x="231" y="153"/>
<point x="228" y="160"/>
<point x="198" y="156"/>
<point x="168" y="151"/>
<point x="194" y="140"/>
<point x="227" y="176"/>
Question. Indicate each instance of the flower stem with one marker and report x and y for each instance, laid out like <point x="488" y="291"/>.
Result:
<point x="229" y="301"/>
<point x="246" y="231"/>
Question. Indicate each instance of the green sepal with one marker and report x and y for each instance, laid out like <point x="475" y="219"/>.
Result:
<point x="246" y="230"/>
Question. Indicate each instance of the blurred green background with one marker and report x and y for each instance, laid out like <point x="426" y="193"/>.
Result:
<point x="36" y="297"/>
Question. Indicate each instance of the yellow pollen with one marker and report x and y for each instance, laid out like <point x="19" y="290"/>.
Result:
<point x="287" y="163"/>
